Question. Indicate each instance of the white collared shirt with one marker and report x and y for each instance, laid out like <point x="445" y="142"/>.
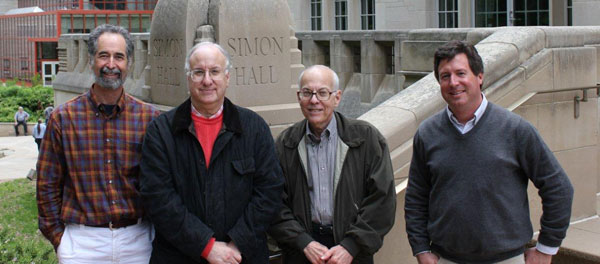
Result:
<point x="463" y="129"/>
<point x="217" y="114"/>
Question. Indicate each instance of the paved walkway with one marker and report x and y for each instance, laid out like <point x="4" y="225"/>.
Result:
<point x="20" y="157"/>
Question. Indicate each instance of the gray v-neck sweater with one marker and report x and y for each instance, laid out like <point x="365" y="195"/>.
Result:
<point x="467" y="194"/>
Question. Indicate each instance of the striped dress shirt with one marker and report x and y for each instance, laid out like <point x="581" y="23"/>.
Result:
<point x="88" y="167"/>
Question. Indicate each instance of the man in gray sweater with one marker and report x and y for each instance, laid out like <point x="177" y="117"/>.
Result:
<point x="466" y="200"/>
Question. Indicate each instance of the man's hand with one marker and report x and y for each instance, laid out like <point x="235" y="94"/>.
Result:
<point x="427" y="258"/>
<point x="337" y="255"/>
<point x="533" y="256"/>
<point x="223" y="253"/>
<point x="314" y="251"/>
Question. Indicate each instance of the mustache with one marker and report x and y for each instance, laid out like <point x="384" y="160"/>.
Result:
<point x="106" y="70"/>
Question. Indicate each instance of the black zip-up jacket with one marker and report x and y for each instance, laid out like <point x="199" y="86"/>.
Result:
<point x="235" y="198"/>
<point x="365" y="197"/>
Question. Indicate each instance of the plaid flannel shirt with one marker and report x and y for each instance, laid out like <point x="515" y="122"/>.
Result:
<point x="88" y="167"/>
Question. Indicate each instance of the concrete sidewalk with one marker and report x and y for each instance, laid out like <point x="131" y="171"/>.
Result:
<point x="20" y="156"/>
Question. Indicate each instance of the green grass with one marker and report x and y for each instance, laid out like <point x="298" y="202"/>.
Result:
<point x="20" y="239"/>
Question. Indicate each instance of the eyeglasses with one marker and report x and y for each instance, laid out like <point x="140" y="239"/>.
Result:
<point x="198" y="74"/>
<point x="322" y="94"/>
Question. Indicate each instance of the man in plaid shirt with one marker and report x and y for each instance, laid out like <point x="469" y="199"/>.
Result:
<point x="88" y="167"/>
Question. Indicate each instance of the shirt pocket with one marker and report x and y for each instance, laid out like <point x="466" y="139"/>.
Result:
<point x="241" y="179"/>
<point x="244" y="167"/>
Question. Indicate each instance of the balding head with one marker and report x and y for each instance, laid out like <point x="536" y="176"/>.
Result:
<point x="326" y="72"/>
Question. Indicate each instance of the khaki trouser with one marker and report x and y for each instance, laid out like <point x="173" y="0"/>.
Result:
<point x="520" y="259"/>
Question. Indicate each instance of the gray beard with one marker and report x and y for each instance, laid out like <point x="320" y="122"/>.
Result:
<point x="108" y="83"/>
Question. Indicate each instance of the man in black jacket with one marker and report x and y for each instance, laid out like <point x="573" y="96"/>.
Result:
<point x="339" y="195"/>
<point x="210" y="181"/>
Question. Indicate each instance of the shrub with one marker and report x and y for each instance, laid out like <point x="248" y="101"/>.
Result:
<point x="36" y="80"/>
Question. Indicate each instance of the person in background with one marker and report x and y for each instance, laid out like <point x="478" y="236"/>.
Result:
<point x="38" y="132"/>
<point x="21" y="118"/>
<point x="47" y="111"/>
<point x="88" y="168"/>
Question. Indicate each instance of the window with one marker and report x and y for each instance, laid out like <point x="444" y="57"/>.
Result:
<point x="498" y="13"/>
<point x="448" y="13"/>
<point x="490" y="13"/>
<point x="569" y="12"/>
<point x="315" y="14"/>
<point x="24" y="64"/>
<point x="531" y="13"/>
<point x="367" y="14"/>
<point x="341" y="15"/>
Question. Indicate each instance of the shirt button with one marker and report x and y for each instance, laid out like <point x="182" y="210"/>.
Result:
<point x="114" y="202"/>
<point x="108" y="161"/>
<point x="323" y="168"/>
<point x="108" y="140"/>
<point x="110" y="181"/>
<point x="97" y="114"/>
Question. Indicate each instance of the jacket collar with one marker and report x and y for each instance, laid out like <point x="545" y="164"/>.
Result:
<point x="183" y="117"/>
<point x="350" y="138"/>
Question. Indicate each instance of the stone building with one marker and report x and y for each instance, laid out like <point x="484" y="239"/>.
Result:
<point x="415" y="14"/>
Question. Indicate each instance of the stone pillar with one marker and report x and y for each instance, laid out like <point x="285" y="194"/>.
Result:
<point x="260" y="49"/>
<point x="342" y="59"/>
<point x="373" y="66"/>
<point x="558" y="15"/>
<point x="312" y="53"/>
<point x="296" y="66"/>
<point x="465" y="13"/>
<point x="398" y="60"/>
<point x="82" y="57"/>
<point x="172" y="34"/>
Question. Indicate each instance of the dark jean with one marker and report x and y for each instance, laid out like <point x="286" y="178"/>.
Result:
<point x="24" y="123"/>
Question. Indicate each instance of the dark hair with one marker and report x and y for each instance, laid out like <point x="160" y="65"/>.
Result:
<point x="97" y="32"/>
<point x="454" y="47"/>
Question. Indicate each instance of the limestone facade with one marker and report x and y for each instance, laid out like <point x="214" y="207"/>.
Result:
<point x="415" y="14"/>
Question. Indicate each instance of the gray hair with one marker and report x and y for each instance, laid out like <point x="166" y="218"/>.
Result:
<point x="207" y="43"/>
<point x="108" y="28"/>
<point x="336" y="79"/>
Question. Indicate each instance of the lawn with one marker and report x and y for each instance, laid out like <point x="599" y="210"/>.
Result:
<point x="20" y="239"/>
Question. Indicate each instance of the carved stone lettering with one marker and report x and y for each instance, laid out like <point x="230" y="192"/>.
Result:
<point x="257" y="46"/>
<point x="167" y="75"/>
<point x="167" y="47"/>
<point x="255" y="75"/>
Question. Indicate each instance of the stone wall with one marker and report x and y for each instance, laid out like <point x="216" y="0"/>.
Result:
<point x="586" y="12"/>
<point x="7" y="129"/>
<point x="419" y="14"/>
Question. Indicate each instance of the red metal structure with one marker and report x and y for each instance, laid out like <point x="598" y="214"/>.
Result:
<point x="28" y="39"/>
